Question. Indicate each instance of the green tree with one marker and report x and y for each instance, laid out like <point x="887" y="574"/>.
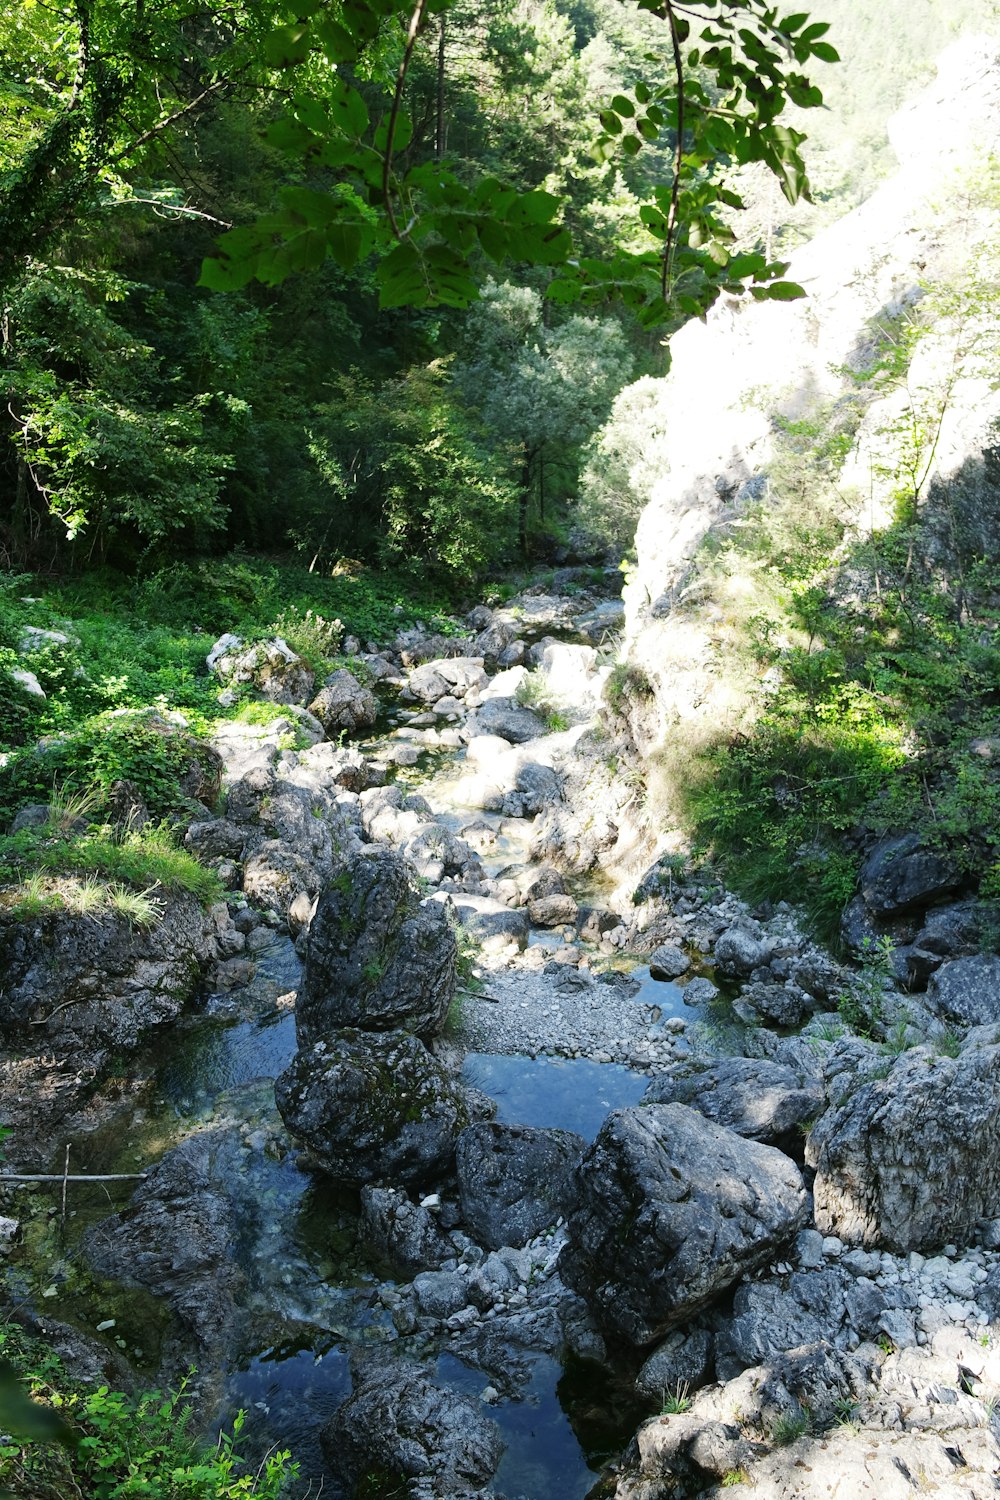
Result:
<point x="540" y="391"/>
<point x="434" y="227"/>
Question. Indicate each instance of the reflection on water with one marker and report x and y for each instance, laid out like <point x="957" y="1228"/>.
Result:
<point x="553" y="1092"/>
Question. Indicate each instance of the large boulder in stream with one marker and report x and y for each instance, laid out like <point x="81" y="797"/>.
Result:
<point x="377" y="958"/>
<point x="404" y="1435"/>
<point x="505" y="718"/>
<point x="343" y="706"/>
<point x="514" y="1181"/>
<point x="373" y="1107"/>
<point x="177" y="1240"/>
<point x="908" y="1158"/>
<point x="672" y="1210"/>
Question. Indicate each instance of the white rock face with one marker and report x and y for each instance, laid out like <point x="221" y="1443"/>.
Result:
<point x="750" y="362"/>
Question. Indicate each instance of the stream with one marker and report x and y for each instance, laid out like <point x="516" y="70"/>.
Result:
<point x="312" y="1292"/>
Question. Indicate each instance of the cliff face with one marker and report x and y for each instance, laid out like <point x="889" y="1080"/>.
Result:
<point x="754" y="370"/>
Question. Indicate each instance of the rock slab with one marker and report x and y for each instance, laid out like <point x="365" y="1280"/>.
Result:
<point x="673" y="1209"/>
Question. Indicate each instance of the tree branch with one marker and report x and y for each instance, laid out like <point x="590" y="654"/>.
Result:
<point x="675" y="191"/>
<point x="412" y="33"/>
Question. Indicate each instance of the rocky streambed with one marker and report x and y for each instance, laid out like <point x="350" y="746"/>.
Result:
<point x="486" y="1155"/>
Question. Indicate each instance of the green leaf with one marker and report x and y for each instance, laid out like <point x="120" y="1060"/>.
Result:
<point x="610" y="122"/>
<point x="287" y="46"/>
<point x="348" y="110"/>
<point x="623" y="106"/>
<point x="825" y="52"/>
<point x="783" y="291"/>
<point x="24" y="1418"/>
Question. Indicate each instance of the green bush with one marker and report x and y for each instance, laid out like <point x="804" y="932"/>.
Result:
<point x="120" y="1448"/>
<point x="109" y="748"/>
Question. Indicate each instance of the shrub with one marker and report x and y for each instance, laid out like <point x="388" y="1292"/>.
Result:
<point x="120" y="1448"/>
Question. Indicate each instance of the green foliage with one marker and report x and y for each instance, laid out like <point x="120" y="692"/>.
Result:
<point x="790" y="1427"/>
<point x="862" y="1006"/>
<point x="146" y="858"/>
<point x="110" y="1446"/>
<point x="138" y="747"/>
<point x="676" y="1401"/>
<point x="431" y="223"/>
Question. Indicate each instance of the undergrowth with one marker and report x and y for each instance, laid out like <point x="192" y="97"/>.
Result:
<point x="120" y="1448"/>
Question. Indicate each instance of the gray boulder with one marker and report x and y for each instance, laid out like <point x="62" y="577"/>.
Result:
<point x="507" y="719"/>
<point x="373" y="1107"/>
<point x="900" y="874"/>
<point x="537" y="786"/>
<point x="552" y="911"/>
<point x="515" y="1181"/>
<point x="75" y="982"/>
<point x="967" y="990"/>
<point x="673" y="1209"/>
<point x="681" y="1363"/>
<point x="402" y="1232"/>
<point x="343" y="706"/>
<point x="911" y="1160"/>
<point x="768" y="1318"/>
<point x="377" y="958"/>
<point x="404" y="1435"/>
<point x="773" y="1004"/>
<point x="177" y="1239"/>
<point x="739" y="951"/>
<point x="758" y="1099"/>
<point x="668" y="962"/>
<point x="271" y="667"/>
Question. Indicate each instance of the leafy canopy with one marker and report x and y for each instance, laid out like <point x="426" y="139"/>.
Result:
<point x="714" y="97"/>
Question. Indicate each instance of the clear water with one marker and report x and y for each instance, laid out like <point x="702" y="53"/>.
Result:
<point x="554" y="1092"/>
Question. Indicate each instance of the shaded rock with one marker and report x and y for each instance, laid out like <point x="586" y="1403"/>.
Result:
<point x="683" y="1360"/>
<point x="275" y="876"/>
<point x="673" y="1208"/>
<point x="967" y="990"/>
<point x="860" y="932"/>
<point x="515" y="1181"/>
<point x="177" y="1239"/>
<point x="668" y="962"/>
<point x="127" y="811"/>
<point x="900" y="874"/>
<point x="373" y="1107"/>
<point x="401" y="1231"/>
<point x="343" y="706"/>
<point x="72" y="981"/>
<point x="537" y="786"/>
<point x="759" y="1099"/>
<point x="215" y="838"/>
<point x="774" y="1004"/>
<point x="950" y="930"/>
<point x="767" y="1319"/>
<point x="440" y="1293"/>
<point x="377" y="958"/>
<point x="399" y="1429"/>
<point x="912" y="1160"/>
